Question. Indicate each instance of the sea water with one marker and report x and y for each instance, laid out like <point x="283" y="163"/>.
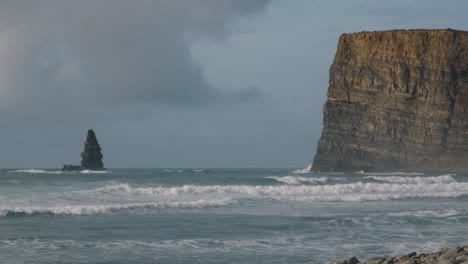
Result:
<point x="225" y="215"/>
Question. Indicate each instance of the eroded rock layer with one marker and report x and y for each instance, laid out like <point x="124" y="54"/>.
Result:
<point x="397" y="100"/>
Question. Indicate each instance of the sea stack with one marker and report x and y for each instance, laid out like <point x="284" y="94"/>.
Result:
<point x="397" y="101"/>
<point x="91" y="157"/>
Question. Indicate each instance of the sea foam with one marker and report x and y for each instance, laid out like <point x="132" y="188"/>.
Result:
<point x="304" y="170"/>
<point x="94" y="171"/>
<point x="414" y="180"/>
<point x="391" y="173"/>
<point x="298" y="180"/>
<point x="429" y="213"/>
<point x="100" y="209"/>
<point x="352" y="192"/>
<point x="36" y="171"/>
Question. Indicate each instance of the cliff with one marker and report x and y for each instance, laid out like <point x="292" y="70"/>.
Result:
<point x="397" y="100"/>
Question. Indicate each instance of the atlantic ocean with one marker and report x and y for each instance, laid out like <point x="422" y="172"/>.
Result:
<point x="225" y="215"/>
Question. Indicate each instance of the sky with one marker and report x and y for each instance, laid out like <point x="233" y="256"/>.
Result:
<point x="180" y="83"/>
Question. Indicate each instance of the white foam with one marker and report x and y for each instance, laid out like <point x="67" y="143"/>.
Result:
<point x="428" y="213"/>
<point x="197" y="170"/>
<point x="121" y="187"/>
<point x="35" y="171"/>
<point x="171" y="170"/>
<point x="100" y="209"/>
<point x="352" y="192"/>
<point x="94" y="171"/>
<point x="391" y="173"/>
<point x="414" y="180"/>
<point x="304" y="170"/>
<point x="298" y="180"/>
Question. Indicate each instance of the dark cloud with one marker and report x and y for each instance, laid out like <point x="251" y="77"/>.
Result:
<point x="109" y="50"/>
<point x="133" y="70"/>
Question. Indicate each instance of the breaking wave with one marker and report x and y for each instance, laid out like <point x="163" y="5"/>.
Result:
<point x="391" y="173"/>
<point x="429" y="213"/>
<point x="171" y="170"/>
<point x="304" y="170"/>
<point x="35" y="171"/>
<point x="101" y="209"/>
<point x="352" y="192"/>
<point x="94" y="171"/>
<point x="298" y="180"/>
<point x="414" y="180"/>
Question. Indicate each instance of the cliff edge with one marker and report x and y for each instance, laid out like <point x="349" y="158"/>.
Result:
<point x="397" y="100"/>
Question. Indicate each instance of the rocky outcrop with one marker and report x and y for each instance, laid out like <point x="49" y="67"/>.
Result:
<point x="72" y="168"/>
<point x="91" y="157"/>
<point x="397" y="100"/>
<point x="450" y="255"/>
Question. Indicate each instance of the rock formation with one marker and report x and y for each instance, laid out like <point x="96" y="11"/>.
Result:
<point x="91" y="157"/>
<point x="449" y="255"/>
<point x="397" y="100"/>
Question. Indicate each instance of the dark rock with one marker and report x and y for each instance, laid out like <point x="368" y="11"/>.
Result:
<point x="91" y="157"/>
<point x="397" y="99"/>
<point x="375" y="261"/>
<point x="352" y="260"/>
<point x="450" y="255"/>
<point x="72" y="168"/>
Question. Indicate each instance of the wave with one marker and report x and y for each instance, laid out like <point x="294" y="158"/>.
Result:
<point x="35" y="171"/>
<point x="352" y="192"/>
<point x="171" y="170"/>
<point x="414" y="180"/>
<point x="298" y="180"/>
<point x="391" y="173"/>
<point x="94" y="171"/>
<point x="100" y="209"/>
<point x="428" y="213"/>
<point x="277" y="249"/>
<point x="180" y="246"/>
<point x="304" y="170"/>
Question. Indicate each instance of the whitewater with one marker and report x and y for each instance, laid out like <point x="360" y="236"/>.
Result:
<point x="176" y="215"/>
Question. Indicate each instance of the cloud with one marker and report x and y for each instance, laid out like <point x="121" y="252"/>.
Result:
<point x="58" y="52"/>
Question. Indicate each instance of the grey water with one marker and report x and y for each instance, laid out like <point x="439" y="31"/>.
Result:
<point x="225" y="215"/>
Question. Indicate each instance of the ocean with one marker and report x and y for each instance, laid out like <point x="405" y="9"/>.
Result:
<point x="225" y="215"/>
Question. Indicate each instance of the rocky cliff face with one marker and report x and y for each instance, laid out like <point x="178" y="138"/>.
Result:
<point x="397" y="100"/>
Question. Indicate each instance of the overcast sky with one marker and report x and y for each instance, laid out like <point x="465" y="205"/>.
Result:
<point x="180" y="83"/>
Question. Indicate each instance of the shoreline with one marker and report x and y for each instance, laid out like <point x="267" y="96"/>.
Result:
<point x="446" y="255"/>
